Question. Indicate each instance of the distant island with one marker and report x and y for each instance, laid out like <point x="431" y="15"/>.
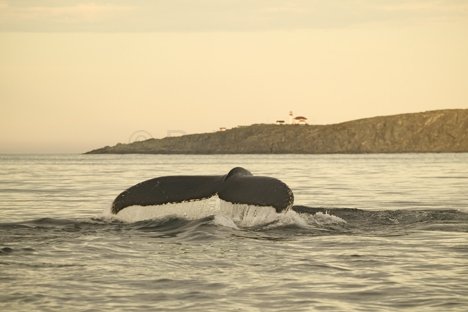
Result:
<point x="440" y="131"/>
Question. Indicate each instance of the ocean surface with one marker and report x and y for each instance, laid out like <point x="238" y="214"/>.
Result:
<point x="391" y="235"/>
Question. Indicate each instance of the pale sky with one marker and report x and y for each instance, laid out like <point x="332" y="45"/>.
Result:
<point x="76" y="75"/>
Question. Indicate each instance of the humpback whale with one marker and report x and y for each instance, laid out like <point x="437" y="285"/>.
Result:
<point x="239" y="186"/>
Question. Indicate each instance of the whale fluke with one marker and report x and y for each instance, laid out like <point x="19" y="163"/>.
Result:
<point x="239" y="186"/>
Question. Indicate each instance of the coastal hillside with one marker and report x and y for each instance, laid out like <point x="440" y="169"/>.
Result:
<point x="432" y="131"/>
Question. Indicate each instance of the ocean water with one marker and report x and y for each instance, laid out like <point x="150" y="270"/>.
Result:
<point x="387" y="233"/>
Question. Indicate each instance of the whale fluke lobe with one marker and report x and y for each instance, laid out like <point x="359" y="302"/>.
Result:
<point x="239" y="186"/>
<point x="165" y="190"/>
<point x="259" y="191"/>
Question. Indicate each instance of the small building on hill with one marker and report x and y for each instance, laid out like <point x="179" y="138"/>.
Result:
<point x="300" y="120"/>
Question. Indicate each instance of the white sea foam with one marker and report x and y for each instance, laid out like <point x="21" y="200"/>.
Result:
<point x="225" y="214"/>
<point x="252" y="216"/>
<point x="303" y="220"/>
<point x="248" y="215"/>
<point x="322" y="219"/>
<point x="221" y="220"/>
<point x="290" y="217"/>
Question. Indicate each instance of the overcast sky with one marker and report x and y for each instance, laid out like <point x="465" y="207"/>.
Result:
<point x="76" y="75"/>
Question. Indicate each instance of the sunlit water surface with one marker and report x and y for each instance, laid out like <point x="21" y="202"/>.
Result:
<point x="405" y="248"/>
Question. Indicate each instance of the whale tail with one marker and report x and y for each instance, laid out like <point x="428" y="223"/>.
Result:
<point x="239" y="186"/>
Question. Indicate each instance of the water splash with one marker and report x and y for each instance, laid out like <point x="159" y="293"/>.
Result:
<point x="225" y="214"/>
<point x="248" y="215"/>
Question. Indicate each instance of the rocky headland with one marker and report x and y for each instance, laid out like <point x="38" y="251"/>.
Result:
<point x="441" y="131"/>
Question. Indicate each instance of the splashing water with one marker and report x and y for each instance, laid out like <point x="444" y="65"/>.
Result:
<point x="225" y="214"/>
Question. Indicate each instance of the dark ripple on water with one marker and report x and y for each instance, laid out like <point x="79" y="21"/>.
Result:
<point x="356" y="220"/>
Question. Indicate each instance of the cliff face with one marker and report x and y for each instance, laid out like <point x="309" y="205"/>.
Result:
<point x="433" y="131"/>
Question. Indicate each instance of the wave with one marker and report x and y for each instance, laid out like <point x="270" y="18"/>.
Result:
<point x="242" y="220"/>
<point x="403" y="218"/>
<point x="240" y="216"/>
<point x="224" y="214"/>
